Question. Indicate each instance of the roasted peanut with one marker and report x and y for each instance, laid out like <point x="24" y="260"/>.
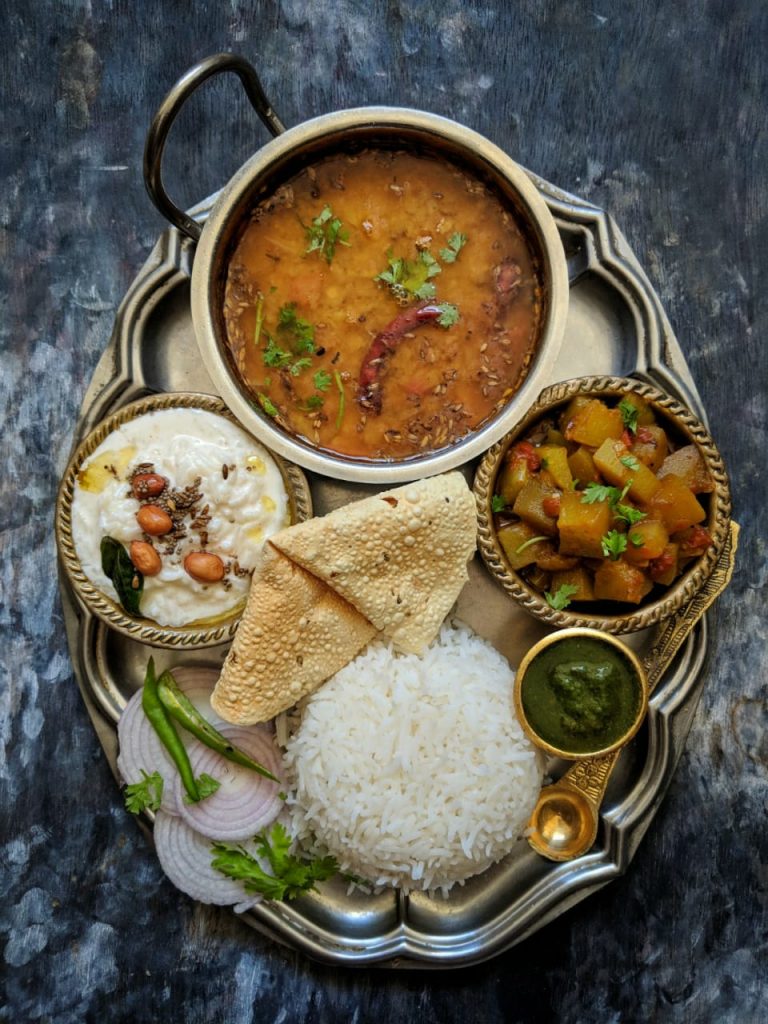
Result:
<point x="147" y="485"/>
<point x="145" y="558"/>
<point x="204" y="567"/>
<point x="153" y="520"/>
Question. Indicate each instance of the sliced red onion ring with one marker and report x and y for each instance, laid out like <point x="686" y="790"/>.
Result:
<point x="141" y="749"/>
<point x="246" y="802"/>
<point x="185" y="856"/>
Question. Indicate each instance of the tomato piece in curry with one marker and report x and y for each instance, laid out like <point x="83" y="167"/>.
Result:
<point x="382" y="304"/>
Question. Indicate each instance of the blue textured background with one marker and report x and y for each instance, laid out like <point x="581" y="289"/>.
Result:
<point x="655" y="111"/>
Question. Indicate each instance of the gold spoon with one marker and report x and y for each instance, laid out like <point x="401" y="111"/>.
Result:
<point x="564" y="822"/>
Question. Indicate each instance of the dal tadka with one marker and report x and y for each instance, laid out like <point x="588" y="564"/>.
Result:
<point x="382" y="304"/>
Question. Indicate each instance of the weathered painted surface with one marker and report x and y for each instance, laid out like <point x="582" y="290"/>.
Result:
<point x="654" y="111"/>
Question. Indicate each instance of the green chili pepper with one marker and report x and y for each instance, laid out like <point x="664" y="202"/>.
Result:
<point x="166" y="732"/>
<point x="180" y="707"/>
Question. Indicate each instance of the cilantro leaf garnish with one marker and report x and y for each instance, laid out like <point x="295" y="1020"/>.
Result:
<point x="299" y="365"/>
<point x="267" y="404"/>
<point x="206" y="786"/>
<point x="325" y="233"/>
<point x="629" y="414"/>
<point x="274" y="356"/>
<point x="300" y="332"/>
<point x="628" y="514"/>
<point x="456" y="243"/>
<point x="561" y="597"/>
<point x="637" y="539"/>
<point x="322" y="380"/>
<point x="146" y="795"/>
<point x="613" y="544"/>
<point x="291" y="876"/>
<point x="630" y="462"/>
<point x="411" y="278"/>
<point x="599" y="492"/>
<point x="449" y="314"/>
<point x="498" y="504"/>
<point x="615" y="497"/>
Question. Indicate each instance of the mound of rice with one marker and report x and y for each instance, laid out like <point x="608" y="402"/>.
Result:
<point x="412" y="770"/>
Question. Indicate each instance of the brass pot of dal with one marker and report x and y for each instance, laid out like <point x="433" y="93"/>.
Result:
<point x="268" y="348"/>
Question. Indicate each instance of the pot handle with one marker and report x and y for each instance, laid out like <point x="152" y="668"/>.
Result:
<point x="167" y="113"/>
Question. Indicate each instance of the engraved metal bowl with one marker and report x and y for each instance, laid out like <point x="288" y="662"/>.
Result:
<point x="196" y="635"/>
<point x="686" y="429"/>
<point x="278" y="161"/>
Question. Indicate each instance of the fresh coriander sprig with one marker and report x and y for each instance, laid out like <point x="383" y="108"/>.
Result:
<point x="498" y="504"/>
<point x="299" y="332"/>
<point x="291" y="876"/>
<point x="267" y="404"/>
<point x="599" y="492"/>
<point x="325" y="233"/>
<point x="322" y="380"/>
<point x="206" y="786"/>
<point x="299" y="365"/>
<point x="628" y="514"/>
<point x="613" y="544"/>
<point x="274" y="356"/>
<point x="629" y="415"/>
<point x="312" y="404"/>
<point x="561" y="597"/>
<point x="410" y="278"/>
<point x="630" y="462"/>
<point x="449" y="314"/>
<point x="146" y="795"/>
<point x="456" y="243"/>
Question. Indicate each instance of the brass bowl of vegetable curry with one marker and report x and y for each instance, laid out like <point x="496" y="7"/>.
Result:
<point x="377" y="293"/>
<point x="607" y="506"/>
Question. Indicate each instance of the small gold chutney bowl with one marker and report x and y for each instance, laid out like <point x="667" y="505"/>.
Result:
<point x="580" y="693"/>
<point x="203" y="632"/>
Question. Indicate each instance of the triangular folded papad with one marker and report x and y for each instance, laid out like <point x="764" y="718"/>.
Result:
<point x="399" y="557"/>
<point x="294" y="634"/>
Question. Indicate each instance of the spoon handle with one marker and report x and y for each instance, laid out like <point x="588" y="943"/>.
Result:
<point x="591" y="775"/>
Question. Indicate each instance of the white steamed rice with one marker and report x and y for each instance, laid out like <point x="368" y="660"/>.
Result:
<point x="412" y="770"/>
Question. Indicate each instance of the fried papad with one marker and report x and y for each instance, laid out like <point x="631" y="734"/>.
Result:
<point x="295" y="633"/>
<point x="400" y="557"/>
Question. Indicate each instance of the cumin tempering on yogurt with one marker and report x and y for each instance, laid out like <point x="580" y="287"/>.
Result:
<point x="382" y="304"/>
<point x="187" y="488"/>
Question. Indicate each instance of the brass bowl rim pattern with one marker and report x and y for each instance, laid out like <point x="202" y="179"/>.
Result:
<point x="601" y="637"/>
<point x="681" y="591"/>
<point x="196" y="635"/>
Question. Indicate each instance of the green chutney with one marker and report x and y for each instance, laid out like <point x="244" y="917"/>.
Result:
<point x="581" y="695"/>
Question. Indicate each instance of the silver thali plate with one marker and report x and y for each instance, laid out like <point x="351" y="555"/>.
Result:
<point x="616" y="326"/>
